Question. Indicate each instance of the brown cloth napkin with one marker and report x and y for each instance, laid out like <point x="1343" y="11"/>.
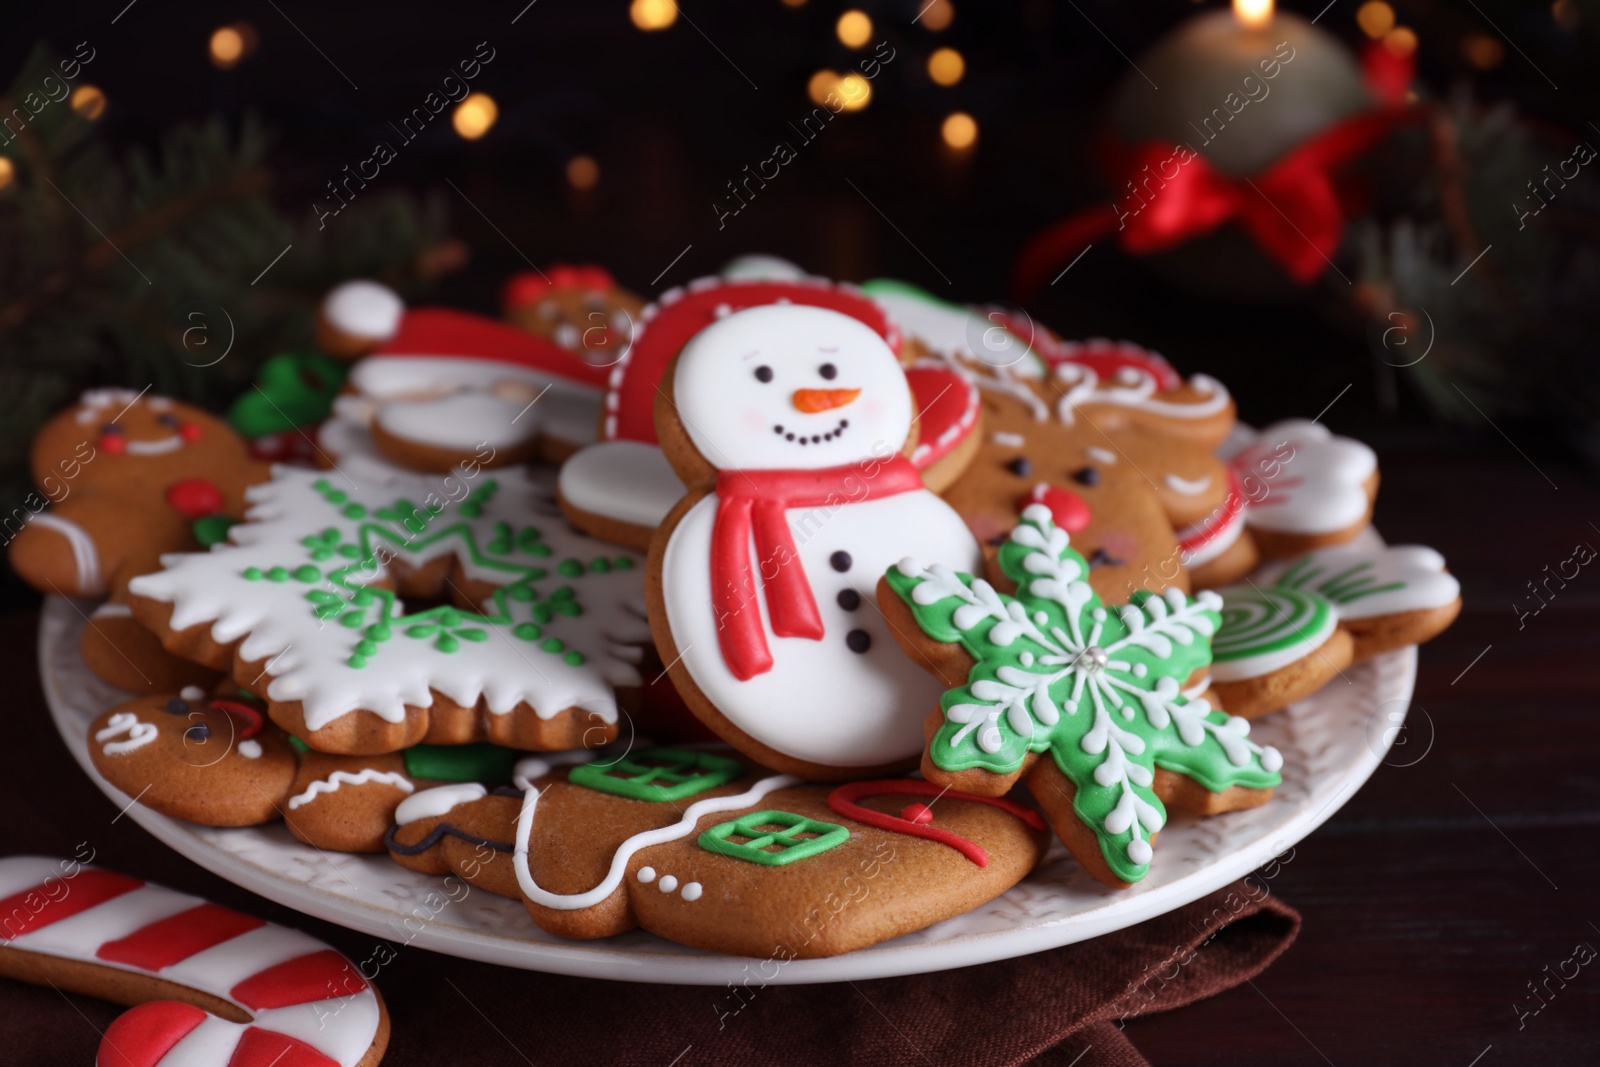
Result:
<point x="1060" y="1008"/>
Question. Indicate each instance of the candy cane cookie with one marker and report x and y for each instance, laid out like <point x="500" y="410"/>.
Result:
<point x="209" y="985"/>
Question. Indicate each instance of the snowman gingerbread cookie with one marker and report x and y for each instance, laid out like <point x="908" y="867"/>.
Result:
<point x="621" y="487"/>
<point x="792" y="426"/>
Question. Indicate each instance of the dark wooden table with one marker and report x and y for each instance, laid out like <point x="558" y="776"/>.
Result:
<point x="1457" y="882"/>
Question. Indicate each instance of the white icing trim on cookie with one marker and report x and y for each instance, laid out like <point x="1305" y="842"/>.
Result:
<point x="432" y="803"/>
<point x="366" y="776"/>
<point x="125" y="722"/>
<point x="363" y="309"/>
<point x="625" y="851"/>
<point x="85" y="557"/>
<point x="627" y="481"/>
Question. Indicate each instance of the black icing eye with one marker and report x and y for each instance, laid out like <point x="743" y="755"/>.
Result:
<point x="110" y="427"/>
<point x="763" y="374"/>
<point x="828" y="371"/>
<point x="167" y="420"/>
<point x="1020" y="466"/>
<point x="1089" y="476"/>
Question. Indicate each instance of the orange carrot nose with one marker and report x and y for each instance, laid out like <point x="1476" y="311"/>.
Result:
<point x="812" y="401"/>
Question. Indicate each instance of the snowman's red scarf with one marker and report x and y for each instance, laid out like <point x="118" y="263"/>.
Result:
<point x="754" y="502"/>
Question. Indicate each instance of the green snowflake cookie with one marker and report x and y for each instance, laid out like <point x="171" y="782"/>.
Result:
<point x="1098" y="687"/>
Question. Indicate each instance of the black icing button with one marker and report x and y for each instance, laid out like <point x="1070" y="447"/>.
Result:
<point x="858" y="640"/>
<point x="849" y="599"/>
<point x="199" y="733"/>
<point x="1086" y="476"/>
<point x="840" y="561"/>
<point x="177" y="707"/>
<point x="1021" y="467"/>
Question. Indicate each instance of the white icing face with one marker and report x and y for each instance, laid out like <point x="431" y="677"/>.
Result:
<point x="784" y="387"/>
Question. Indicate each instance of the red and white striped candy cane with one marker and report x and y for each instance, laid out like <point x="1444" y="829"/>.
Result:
<point x="308" y="1005"/>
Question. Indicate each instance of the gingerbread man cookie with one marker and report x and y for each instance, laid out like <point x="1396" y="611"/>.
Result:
<point x="705" y="850"/>
<point x="1050" y="669"/>
<point x="210" y="987"/>
<point x="1297" y="624"/>
<point x="132" y="477"/>
<point x="216" y="761"/>
<point x="1118" y="447"/>
<point x="790" y="424"/>
<point x="581" y="308"/>
<point x="313" y="604"/>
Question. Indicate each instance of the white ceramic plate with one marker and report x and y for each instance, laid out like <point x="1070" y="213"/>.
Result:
<point x="1331" y="744"/>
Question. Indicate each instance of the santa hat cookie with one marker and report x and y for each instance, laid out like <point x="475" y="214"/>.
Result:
<point x="622" y="487"/>
<point x="791" y="424"/>
<point x="356" y="317"/>
<point x="441" y="386"/>
<point x="288" y="998"/>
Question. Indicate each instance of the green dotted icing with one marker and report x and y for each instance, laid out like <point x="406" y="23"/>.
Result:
<point x="773" y="838"/>
<point x="658" y="774"/>
<point x="461" y="763"/>
<point x="212" y="529"/>
<point x="1097" y="687"/>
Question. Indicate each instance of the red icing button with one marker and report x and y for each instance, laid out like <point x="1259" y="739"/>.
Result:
<point x="917" y="812"/>
<point x="189" y="432"/>
<point x="1070" y="510"/>
<point x="194" y="497"/>
<point x="113" y="443"/>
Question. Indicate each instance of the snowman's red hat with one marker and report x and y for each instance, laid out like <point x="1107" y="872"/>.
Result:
<point x="444" y="333"/>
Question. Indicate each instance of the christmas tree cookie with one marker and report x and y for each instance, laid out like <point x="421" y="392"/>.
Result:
<point x="1051" y="670"/>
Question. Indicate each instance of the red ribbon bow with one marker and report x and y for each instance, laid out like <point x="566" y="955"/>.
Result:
<point x="753" y="503"/>
<point x="1291" y="209"/>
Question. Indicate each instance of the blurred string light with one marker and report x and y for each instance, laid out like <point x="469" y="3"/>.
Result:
<point x="1375" y="18"/>
<point x="855" y="92"/>
<point x="583" y="172"/>
<point x="88" y="101"/>
<point x="474" y="115"/>
<point x="960" y="130"/>
<point x="946" y="66"/>
<point x="230" y="44"/>
<point x="821" y="84"/>
<point x="8" y="172"/>
<point x="854" y="29"/>
<point x="794" y="3"/>
<point x="1402" y="41"/>
<point x="651" y="15"/>
<point x="1483" y="51"/>
<point x="1566" y="14"/>
<point x="937" y="15"/>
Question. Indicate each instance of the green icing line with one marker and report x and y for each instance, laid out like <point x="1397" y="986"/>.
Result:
<point x="1258" y="621"/>
<point x="782" y="830"/>
<point x="1097" y="687"/>
<point x="480" y="762"/>
<point x="658" y="775"/>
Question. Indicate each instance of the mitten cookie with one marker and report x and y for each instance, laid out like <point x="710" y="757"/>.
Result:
<point x="318" y="605"/>
<point x="1051" y="670"/>
<point x="701" y="849"/>
<point x="212" y="987"/>
<point x="1298" y="624"/>
<point x="1305" y="488"/>
<point x="790" y="425"/>
<point x="130" y="477"/>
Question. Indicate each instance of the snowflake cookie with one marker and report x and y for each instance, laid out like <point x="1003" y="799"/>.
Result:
<point x="311" y="603"/>
<point x="1052" y="669"/>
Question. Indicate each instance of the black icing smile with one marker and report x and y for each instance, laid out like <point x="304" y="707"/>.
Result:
<point x="811" y="439"/>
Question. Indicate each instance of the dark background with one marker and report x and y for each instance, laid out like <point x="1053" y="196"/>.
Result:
<point x="1446" y="886"/>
